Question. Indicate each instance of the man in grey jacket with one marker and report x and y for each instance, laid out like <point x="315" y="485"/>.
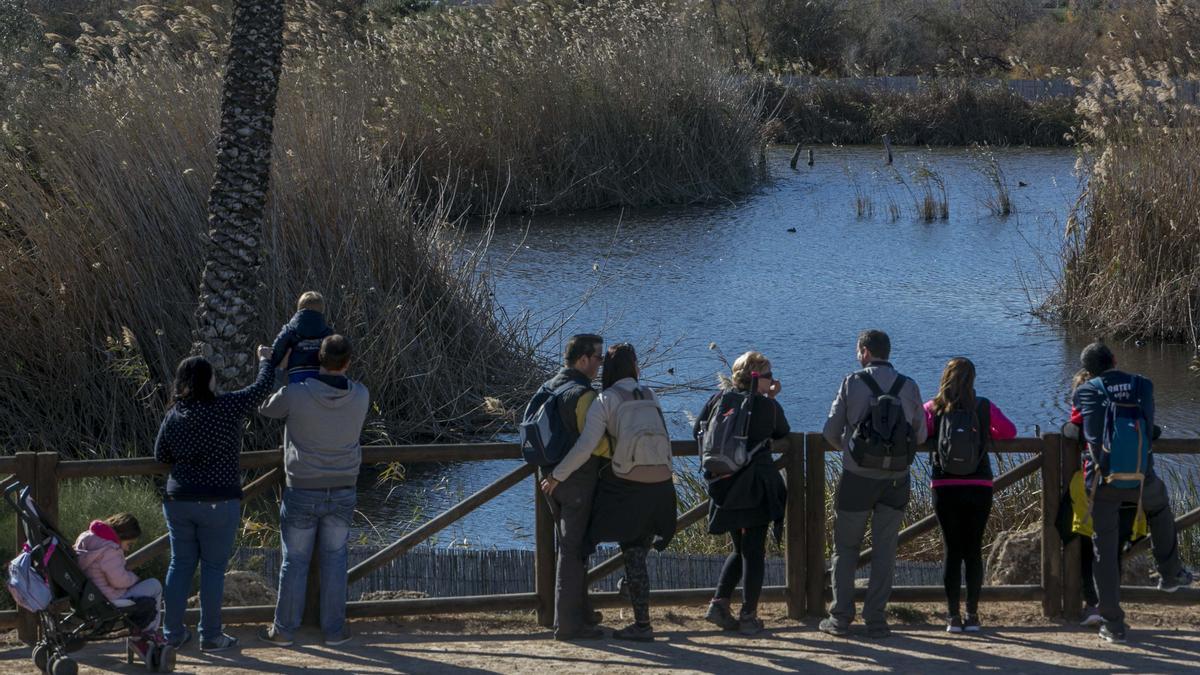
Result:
<point x="863" y="491"/>
<point x="321" y="457"/>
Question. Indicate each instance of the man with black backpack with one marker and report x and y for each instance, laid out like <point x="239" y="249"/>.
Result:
<point x="551" y="425"/>
<point x="877" y="420"/>
<point x="1118" y="422"/>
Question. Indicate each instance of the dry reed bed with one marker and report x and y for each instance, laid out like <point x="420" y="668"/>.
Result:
<point x="946" y="113"/>
<point x="1131" y="264"/>
<point x="100" y="243"/>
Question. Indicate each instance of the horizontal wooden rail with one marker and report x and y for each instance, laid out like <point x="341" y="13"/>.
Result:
<point x="439" y="522"/>
<point x="161" y="545"/>
<point x="685" y="521"/>
<point x="929" y="522"/>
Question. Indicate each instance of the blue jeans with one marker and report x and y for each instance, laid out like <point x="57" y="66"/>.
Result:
<point x="307" y="517"/>
<point x="200" y="532"/>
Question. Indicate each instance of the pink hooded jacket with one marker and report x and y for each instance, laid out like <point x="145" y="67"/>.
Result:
<point x="102" y="560"/>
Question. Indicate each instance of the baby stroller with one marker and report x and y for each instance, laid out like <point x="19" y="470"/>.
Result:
<point x="77" y="611"/>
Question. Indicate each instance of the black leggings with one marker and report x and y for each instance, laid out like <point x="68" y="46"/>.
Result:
<point x="963" y="512"/>
<point x="749" y="555"/>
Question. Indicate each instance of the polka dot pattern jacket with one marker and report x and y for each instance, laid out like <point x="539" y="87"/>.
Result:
<point x="201" y="441"/>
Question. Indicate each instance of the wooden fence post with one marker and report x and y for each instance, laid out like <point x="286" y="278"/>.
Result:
<point x="814" y="522"/>
<point x="1072" y="553"/>
<point x="26" y="473"/>
<point x="45" y="491"/>
<point x="544" y="558"/>
<point x="797" y="545"/>
<point x="1052" y="550"/>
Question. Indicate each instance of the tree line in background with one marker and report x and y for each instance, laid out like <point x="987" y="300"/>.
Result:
<point x="833" y="38"/>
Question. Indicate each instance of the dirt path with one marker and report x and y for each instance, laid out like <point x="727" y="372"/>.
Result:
<point x="1017" y="640"/>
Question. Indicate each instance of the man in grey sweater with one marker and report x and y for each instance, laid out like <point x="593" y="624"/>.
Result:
<point x="321" y="457"/>
<point x="864" y="491"/>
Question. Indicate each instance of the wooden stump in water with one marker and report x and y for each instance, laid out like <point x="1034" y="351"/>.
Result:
<point x="887" y="150"/>
<point x="796" y="156"/>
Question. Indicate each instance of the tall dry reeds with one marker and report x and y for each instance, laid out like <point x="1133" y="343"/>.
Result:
<point x="950" y="112"/>
<point x="101" y="229"/>
<point x="1132" y="258"/>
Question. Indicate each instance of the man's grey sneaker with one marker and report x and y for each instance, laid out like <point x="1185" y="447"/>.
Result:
<point x="833" y="627"/>
<point x="1112" y="632"/>
<point x="954" y="624"/>
<point x="222" y="643"/>
<point x="585" y="633"/>
<point x="971" y="625"/>
<point x="1172" y="584"/>
<point x="274" y="637"/>
<point x="749" y="624"/>
<point x="337" y="640"/>
<point x="719" y="614"/>
<point x="878" y="631"/>
<point x="1091" y="617"/>
<point x="179" y="643"/>
<point x="636" y="632"/>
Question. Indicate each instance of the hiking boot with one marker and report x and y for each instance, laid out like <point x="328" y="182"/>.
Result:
<point x="879" y="631"/>
<point x="272" y="636"/>
<point x="337" y="640"/>
<point x="1172" y="584"/>
<point x="749" y="624"/>
<point x="636" y="632"/>
<point x="832" y="626"/>
<point x="1091" y="617"/>
<point x="585" y="633"/>
<point x="179" y="643"/>
<point x="971" y="625"/>
<point x="1112" y="632"/>
<point x="221" y="643"/>
<point x="954" y="624"/>
<point x="718" y="614"/>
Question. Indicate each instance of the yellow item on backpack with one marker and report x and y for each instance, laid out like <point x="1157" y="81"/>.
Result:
<point x="1081" y="518"/>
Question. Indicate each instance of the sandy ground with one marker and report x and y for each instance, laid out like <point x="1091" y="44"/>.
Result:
<point x="1016" y="640"/>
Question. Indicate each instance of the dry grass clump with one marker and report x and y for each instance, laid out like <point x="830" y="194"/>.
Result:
<point x="562" y="106"/>
<point x="101" y="231"/>
<point x="1132" y="258"/>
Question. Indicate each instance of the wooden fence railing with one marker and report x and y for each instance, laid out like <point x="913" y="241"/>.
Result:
<point x="801" y="458"/>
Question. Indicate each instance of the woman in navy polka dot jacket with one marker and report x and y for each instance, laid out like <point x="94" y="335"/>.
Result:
<point x="201" y="437"/>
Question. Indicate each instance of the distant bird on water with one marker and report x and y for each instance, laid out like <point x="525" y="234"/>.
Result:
<point x="792" y="230"/>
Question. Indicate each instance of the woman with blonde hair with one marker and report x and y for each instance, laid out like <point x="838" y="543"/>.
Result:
<point x="960" y="425"/>
<point x="745" y="503"/>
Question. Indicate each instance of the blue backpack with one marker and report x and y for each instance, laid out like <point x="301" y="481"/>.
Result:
<point x="545" y="439"/>
<point x="1125" y="448"/>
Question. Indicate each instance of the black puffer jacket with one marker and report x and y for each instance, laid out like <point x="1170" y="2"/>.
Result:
<point x="756" y="495"/>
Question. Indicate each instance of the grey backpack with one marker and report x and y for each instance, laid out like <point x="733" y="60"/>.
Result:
<point x="723" y="441"/>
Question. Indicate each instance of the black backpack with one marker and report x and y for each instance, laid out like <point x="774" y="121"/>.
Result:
<point x="883" y="438"/>
<point x="961" y="439"/>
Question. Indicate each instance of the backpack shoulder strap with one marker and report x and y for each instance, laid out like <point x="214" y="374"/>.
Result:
<point x="868" y="380"/>
<point x="897" y="385"/>
<point x="983" y="410"/>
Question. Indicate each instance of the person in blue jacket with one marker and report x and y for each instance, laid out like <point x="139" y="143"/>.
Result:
<point x="299" y="341"/>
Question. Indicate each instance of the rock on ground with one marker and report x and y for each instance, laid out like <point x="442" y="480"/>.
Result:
<point x="243" y="589"/>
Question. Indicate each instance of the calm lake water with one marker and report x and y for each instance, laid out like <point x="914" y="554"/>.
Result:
<point x="676" y="282"/>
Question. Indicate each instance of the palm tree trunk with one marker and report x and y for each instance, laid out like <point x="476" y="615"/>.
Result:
<point x="230" y="285"/>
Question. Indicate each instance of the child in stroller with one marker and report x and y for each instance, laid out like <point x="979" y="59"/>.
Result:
<point x="78" y="609"/>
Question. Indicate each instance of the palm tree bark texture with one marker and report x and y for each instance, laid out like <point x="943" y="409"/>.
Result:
<point x="229" y="286"/>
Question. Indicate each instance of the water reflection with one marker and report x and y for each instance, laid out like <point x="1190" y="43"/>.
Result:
<point x="735" y="276"/>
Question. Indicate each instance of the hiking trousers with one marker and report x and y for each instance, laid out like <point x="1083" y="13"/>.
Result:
<point x="883" y="501"/>
<point x="962" y="512"/>
<point x="572" y="507"/>
<point x="1106" y="540"/>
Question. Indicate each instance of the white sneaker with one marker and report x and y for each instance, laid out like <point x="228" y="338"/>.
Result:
<point x="1091" y="617"/>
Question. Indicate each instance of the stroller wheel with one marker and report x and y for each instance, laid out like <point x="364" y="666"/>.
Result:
<point x="153" y="656"/>
<point x="166" y="659"/>
<point x="41" y="655"/>
<point x="64" y="665"/>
